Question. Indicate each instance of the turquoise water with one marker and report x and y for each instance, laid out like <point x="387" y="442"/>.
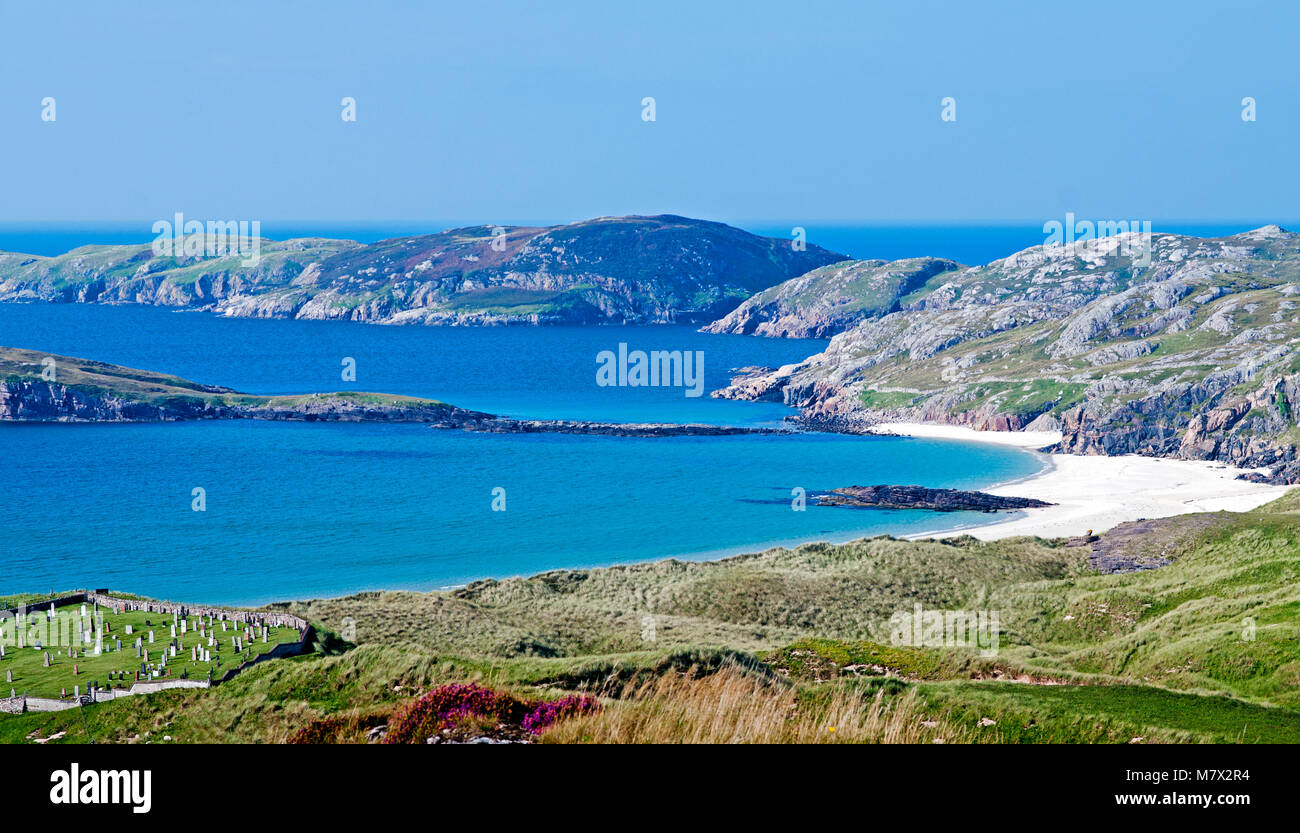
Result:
<point x="297" y="510"/>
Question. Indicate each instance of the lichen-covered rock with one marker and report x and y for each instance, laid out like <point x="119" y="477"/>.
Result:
<point x="831" y="299"/>
<point x="1194" y="354"/>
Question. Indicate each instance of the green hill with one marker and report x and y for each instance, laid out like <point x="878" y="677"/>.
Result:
<point x="610" y="269"/>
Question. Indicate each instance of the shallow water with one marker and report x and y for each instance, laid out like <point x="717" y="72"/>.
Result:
<point x="296" y="510"/>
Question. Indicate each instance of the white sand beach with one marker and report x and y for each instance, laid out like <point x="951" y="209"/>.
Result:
<point x="1098" y="493"/>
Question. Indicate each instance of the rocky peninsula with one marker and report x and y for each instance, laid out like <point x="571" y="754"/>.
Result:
<point x="40" y="387"/>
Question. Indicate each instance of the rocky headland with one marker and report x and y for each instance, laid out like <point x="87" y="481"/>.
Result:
<point x="1189" y="354"/>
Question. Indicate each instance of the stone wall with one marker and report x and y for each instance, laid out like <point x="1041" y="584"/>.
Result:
<point x="23" y="703"/>
<point x="71" y="598"/>
<point x="218" y="613"/>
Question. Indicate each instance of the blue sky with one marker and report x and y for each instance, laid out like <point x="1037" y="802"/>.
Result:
<point x="513" y="112"/>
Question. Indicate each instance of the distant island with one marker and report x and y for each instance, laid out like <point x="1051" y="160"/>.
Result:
<point x="631" y="270"/>
<point x="1188" y="351"/>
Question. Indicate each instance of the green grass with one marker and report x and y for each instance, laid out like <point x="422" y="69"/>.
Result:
<point x="753" y="602"/>
<point x="1025" y="713"/>
<point x="887" y="400"/>
<point x="1163" y="654"/>
<point x="31" y="677"/>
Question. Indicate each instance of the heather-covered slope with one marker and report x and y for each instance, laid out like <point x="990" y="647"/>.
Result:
<point x="613" y="269"/>
<point x="1193" y="355"/>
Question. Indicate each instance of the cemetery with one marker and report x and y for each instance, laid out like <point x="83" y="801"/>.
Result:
<point x="98" y="646"/>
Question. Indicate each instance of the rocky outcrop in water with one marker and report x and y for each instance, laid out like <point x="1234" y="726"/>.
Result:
<point x="920" y="497"/>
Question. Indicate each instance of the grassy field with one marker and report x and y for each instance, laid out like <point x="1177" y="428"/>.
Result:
<point x="796" y="645"/>
<point x="30" y="675"/>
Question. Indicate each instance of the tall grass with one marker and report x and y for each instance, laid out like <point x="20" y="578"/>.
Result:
<point x="733" y="707"/>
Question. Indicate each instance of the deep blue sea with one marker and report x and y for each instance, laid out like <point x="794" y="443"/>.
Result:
<point x="296" y="510"/>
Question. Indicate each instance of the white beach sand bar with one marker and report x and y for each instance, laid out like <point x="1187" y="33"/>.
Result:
<point x="1098" y="493"/>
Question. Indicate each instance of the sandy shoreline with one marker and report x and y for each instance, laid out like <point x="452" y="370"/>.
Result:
<point x="1098" y="493"/>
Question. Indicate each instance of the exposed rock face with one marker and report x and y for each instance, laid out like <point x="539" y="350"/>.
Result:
<point x="1191" y="355"/>
<point x="831" y="299"/>
<point x="621" y="269"/>
<point x="920" y="497"/>
<point x="1148" y="544"/>
<point x="756" y="384"/>
<point x="33" y="400"/>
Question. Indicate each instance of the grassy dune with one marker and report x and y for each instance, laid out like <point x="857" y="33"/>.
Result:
<point x="783" y="645"/>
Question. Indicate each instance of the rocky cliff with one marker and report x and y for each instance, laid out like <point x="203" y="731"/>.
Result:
<point x="832" y="299"/>
<point x="613" y="269"/>
<point x="1192" y="354"/>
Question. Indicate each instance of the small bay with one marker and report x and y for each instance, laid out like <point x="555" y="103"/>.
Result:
<point x="297" y="510"/>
